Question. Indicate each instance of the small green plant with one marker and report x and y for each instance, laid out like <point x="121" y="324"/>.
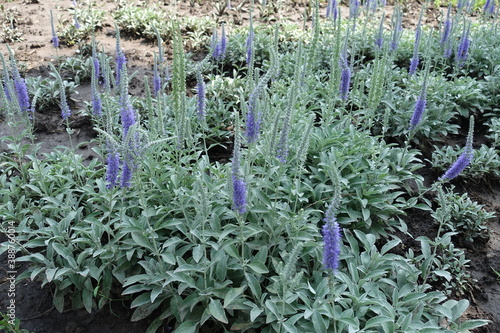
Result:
<point x="9" y="325"/>
<point x="88" y="20"/>
<point x="462" y="215"/>
<point x="77" y="68"/>
<point x="48" y="91"/>
<point x="486" y="161"/>
<point x="494" y="132"/>
<point x="10" y="32"/>
<point x="444" y="265"/>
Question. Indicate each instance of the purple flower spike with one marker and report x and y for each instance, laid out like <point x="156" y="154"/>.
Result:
<point x="21" y="90"/>
<point x="156" y="78"/>
<point x="332" y="238"/>
<point x="126" y="175"/>
<point x="237" y="182"/>
<point x="419" y="109"/>
<point x="446" y="27"/>
<point x="113" y="166"/>
<point x="128" y="117"/>
<point x="55" y="39"/>
<point x="465" y="158"/>
<point x="96" y="103"/>
<point x="414" y="64"/>
<point x="249" y="44"/>
<point x="463" y="47"/>
<point x="460" y="164"/>
<point x="200" y="91"/>
<point x="345" y="77"/>
<point x="121" y="61"/>
<point x="253" y="121"/>
<point x="239" y="195"/>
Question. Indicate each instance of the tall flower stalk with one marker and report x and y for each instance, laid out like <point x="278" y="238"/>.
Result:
<point x="20" y="88"/>
<point x="465" y="158"/>
<point x="463" y="45"/>
<point x="415" y="59"/>
<point x="420" y="105"/>
<point x="332" y="238"/>
<point x="239" y="186"/>
<point x="445" y="36"/>
<point x="121" y="60"/>
<point x="345" y="76"/>
<point x="55" y="38"/>
<point x="200" y="95"/>
<point x="156" y="76"/>
<point x="397" y="30"/>
<point x="379" y="37"/>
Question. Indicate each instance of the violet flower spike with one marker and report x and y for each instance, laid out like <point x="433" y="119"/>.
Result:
<point x="415" y="58"/>
<point x="156" y="78"/>
<point x="201" y="100"/>
<point x="237" y="182"/>
<point x="414" y="63"/>
<point x="249" y="44"/>
<point x="65" y="110"/>
<point x="332" y="235"/>
<point x="77" y="24"/>
<point x="223" y="42"/>
<point x="113" y="166"/>
<point x="21" y="90"/>
<point x="252" y="121"/>
<point x="127" y="114"/>
<point x="463" y="46"/>
<point x="345" y="77"/>
<point x="239" y="194"/>
<point x="446" y="28"/>
<point x="396" y="29"/>
<point x="55" y="39"/>
<point x="419" y="109"/>
<point x="460" y="164"/>
<point x="379" y="39"/>
<point x="126" y="175"/>
<point x="121" y="61"/>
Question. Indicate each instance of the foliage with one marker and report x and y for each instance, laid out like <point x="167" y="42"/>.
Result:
<point x="164" y="234"/>
<point x="7" y="327"/>
<point x="89" y="21"/>
<point x="48" y="91"/>
<point x="486" y="161"/>
<point x="462" y="215"/>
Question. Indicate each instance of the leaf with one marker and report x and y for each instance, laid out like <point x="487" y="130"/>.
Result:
<point x="258" y="267"/>
<point x="254" y="313"/>
<point x="473" y="323"/>
<point x="444" y="274"/>
<point x="65" y="253"/>
<point x="49" y="273"/>
<point x="144" y="310"/>
<point x="155" y="324"/>
<point x="254" y="285"/>
<point x="217" y="311"/>
<point x="141" y="240"/>
<point x="377" y="321"/>
<point x="458" y="309"/>
<point x="318" y="322"/>
<point x="188" y="326"/>
<point x="198" y="252"/>
<point x="87" y="299"/>
<point x="232" y="294"/>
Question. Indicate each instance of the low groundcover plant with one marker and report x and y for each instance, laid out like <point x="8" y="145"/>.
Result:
<point x="297" y="232"/>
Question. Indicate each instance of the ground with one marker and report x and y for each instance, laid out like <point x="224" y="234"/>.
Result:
<point x="34" y="52"/>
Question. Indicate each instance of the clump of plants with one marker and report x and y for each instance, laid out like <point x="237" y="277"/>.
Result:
<point x="296" y="232"/>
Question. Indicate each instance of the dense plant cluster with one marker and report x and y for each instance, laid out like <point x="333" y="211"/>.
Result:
<point x="328" y="130"/>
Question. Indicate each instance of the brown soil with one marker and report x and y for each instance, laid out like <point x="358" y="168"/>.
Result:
<point x="34" y="52"/>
